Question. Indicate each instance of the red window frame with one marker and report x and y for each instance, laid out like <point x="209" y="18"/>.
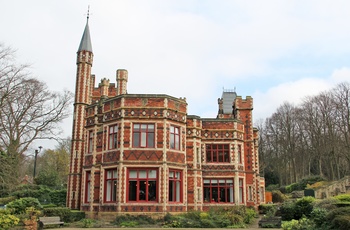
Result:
<point x="113" y="137"/>
<point x="218" y="190"/>
<point x="174" y="137"/>
<point x="111" y="185"/>
<point x="87" y="186"/>
<point x="143" y="135"/>
<point x="218" y="153"/>
<point x="142" y="185"/>
<point x="239" y="152"/>
<point x="175" y="186"/>
<point x="90" y="141"/>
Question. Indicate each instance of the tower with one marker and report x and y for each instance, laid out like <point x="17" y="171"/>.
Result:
<point x="83" y="91"/>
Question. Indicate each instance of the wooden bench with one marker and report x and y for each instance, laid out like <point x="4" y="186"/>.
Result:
<point x="50" y="220"/>
<point x="270" y="222"/>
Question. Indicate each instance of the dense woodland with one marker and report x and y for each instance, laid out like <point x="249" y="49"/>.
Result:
<point x="312" y="138"/>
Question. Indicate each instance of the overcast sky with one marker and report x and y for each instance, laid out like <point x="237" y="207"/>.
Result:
<point x="274" y="51"/>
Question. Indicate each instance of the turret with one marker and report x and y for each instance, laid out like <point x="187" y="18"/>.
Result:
<point x="82" y="99"/>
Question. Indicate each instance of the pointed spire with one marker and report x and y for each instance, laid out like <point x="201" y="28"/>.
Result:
<point x="85" y="43"/>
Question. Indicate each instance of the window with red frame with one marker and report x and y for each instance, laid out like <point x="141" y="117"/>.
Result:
<point x="142" y="185"/>
<point x="239" y="154"/>
<point x="87" y="186"/>
<point x="175" y="186"/>
<point x="217" y="152"/>
<point x="90" y="141"/>
<point x="111" y="181"/>
<point x="241" y="195"/>
<point x="218" y="190"/>
<point x="174" y="137"/>
<point x="143" y="135"/>
<point x="113" y="137"/>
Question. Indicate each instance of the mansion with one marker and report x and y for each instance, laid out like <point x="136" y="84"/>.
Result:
<point x="142" y="153"/>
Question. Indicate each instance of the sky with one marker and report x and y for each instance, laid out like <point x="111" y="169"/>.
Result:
<point x="271" y="50"/>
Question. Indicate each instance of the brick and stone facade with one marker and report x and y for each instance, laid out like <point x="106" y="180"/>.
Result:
<point x="142" y="153"/>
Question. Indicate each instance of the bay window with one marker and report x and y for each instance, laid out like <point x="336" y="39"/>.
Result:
<point x="143" y="135"/>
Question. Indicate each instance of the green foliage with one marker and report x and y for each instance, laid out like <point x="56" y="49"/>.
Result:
<point x="6" y="200"/>
<point x="87" y="223"/>
<point x="344" y="211"/>
<point x="293" y="187"/>
<point x="318" y="215"/>
<point x="124" y="220"/>
<point x="19" y="206"/>
<point x="302" y="224"/>
<point x="44" y="194"/>
<point x="49" y="178"/>
<point x="8" y="221"/>
<point x="63" y="213"/>
<point x="343" y="197"/>
<point x="232" y="217"/>
<point x="303" y="206"/>
<point x="278" y="196"/>
<point x="341" y="222"/>
<point x="328" y="204"/>
<point x="296" y="209"/>
<point x="272" y="187"/>
<point x="267" y="209"/>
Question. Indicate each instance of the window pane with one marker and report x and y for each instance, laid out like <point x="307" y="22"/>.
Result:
<point x="132" y="174"/>
<point x="132" y="190"/>
<point x="143" y="140"/>
<point x="152" y="191"/>
<point x="142" y="174"/>
<point x="142" y="191"/>
<point x="151" y="140"/>
<point x="152" y="174"/>
<point x="136" y="139"/>
<point x="178" y="191"/>
<point x="136" y="127"/>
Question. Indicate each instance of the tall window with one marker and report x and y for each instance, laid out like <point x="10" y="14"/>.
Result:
<point x="90" y="141"/>
<point x="111" y="181"/>
<point x="113" y="137"/>
<point x="143" y="135"/>
<point x="175" y="188"/>
<point x="250" y="193"/>
<point x="239" y="153"/>
<point x="87" y="186"/>
<point x="217" y="153"/>
<point x="142" y="185"/>
<point x="241" y="195"/>
<point x="218" y="190"/>
<point x="174" y="137"/>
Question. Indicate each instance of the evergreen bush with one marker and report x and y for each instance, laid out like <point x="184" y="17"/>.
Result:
<point x="19" y="206"/>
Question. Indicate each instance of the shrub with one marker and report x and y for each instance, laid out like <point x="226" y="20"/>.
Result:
<point x="8" y="221"/>
<point x="278" y="197"/>
<point x="343" y="198"/>
<point x="267" y="208"/>
<point x="344" y="211"/>
<point x="303" y="206"/>
<point x="87" y="223"/>
<point x="318" y="216"/>
<point x="328" y="204"/>
<point x="19" y="206"/>
<point x="302" y="224"/>
<point x="6" y="200"/>
<point x="287" y="210"/>
<point x="272" y="187"/>
<point x="123" y="220"/>
<point x="63" y="213"/>
<point x="341" y="222"/>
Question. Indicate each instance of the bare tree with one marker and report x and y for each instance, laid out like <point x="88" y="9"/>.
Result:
<point x="28" y="111"/>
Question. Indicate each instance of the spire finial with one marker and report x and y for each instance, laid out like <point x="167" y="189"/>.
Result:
<point x="88" y="13"/>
